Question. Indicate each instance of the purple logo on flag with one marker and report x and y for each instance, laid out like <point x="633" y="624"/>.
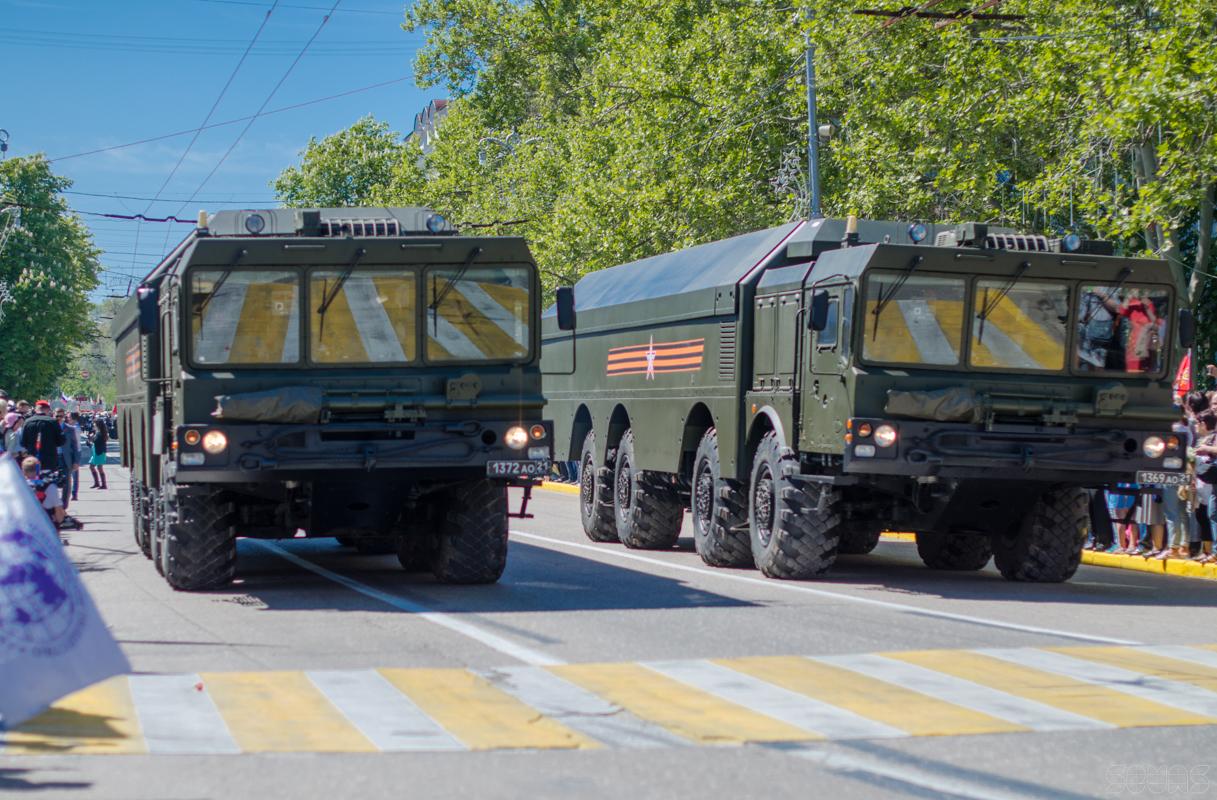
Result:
<point x="41" y="612"/>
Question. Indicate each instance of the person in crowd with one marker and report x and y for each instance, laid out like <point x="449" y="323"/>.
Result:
<point x="24" y="408"/>
<point x="1205" y="454"/>
<point x="70" y="453"/>
<point x="1176" y="500"/>
<point x="97" y="462"/>
<point x="1151" y="519"/>
<point x="42" y="436"/>
<point x="46" y="491"/>
<point x="1101" y="528"/>
<point x="11" y="428"/>
<point x="1122" y="501"/>
<point x="3" y="401"/>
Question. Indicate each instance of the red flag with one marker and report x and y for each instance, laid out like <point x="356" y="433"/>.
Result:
<point x="1183" y="377"/>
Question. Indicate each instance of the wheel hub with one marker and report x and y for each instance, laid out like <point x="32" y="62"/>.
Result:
<point x="624" y="475"/>
<point x="703" y="497"/>
<point x="587" y="486"/>
<point x="762" y="501"/>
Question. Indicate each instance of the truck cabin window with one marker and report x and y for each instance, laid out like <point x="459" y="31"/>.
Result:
<point x="913" y="319"/>
<point x="827" y="338"/>
<point x="362" y="316"/>
<point x="244" y="317"/>
<point x="1019" y="325"/>
<point x="1122" y="329"/>
<point x="477" y="313"/>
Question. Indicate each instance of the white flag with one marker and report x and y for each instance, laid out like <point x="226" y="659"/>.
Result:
<point x="52" y="639"/>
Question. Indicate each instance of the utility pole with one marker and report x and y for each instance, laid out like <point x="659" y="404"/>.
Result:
<point x="813" y="144"/>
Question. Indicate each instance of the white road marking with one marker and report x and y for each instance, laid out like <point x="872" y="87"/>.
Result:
<point x="493" y="310"/>
<point x="449" y="621"/>
<point x="960" y="692"/>
<point x="1169" y="693"/>
<point x="372" y="321"/>
<point x="1196" y="655"/>
<point x="381" y="712"/>
<point x="787" y="586"/>
<point x="175" y="717"/>
<point x="773" y="701"/>
<point x="937" y="784"/>
<point x="451" y="339"/>
<point x="1005" y="350"/>
<point x="932" y="344"/>
<point x="578" y="708"/>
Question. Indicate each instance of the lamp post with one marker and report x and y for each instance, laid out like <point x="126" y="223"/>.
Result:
<point x="508" y="144"/>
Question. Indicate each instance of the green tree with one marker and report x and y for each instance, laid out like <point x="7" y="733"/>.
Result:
<point x="48" y="266"/>
<point x="363" y="165"/>
<point x="95" y="357"/>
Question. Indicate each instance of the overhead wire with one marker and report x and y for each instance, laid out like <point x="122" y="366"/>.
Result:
<point x="308" y="8"/>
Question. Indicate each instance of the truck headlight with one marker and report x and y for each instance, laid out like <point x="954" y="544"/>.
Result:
<point x="516" y="437"/>
<point x="885" y="435"/>
<point x="1154" y="447"/>
<point x="215" y="442"/>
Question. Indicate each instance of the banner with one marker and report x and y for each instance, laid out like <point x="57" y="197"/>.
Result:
<point x="1183" y="378"/>
<point x="52" y="638"/>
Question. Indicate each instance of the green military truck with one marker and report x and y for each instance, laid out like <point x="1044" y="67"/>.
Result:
<point x="803" y="388"/>
<point x="367" y="374"/>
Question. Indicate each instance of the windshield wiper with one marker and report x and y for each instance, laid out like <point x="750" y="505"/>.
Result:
<point x="989" y="306"/>
<point x="438" y="297"/>
<point x="219" y="283"/>
<point x="329" y="297"/>
<point x="886" y="297"/>
<point x="1124" y="275"/>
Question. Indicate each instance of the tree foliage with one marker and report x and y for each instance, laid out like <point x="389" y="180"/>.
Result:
<point x="48" y="266"/>
<point x="611" y="131"/>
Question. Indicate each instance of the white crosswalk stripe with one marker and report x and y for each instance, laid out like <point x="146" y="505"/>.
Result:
<point x="389" y="719"/>
<point x="176" y="717"/>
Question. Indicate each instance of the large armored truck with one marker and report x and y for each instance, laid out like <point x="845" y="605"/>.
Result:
<point x="803" y="388"/>
<point x="367" y="374"/>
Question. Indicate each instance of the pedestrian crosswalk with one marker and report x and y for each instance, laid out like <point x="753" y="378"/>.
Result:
<point x="649" y="704"/>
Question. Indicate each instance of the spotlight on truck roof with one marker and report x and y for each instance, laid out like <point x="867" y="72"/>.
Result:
<point x="1071" y="242"/>
<point x="255" y="223"/>
<point x="918" y="232"/>
<point x="436" y="223"/>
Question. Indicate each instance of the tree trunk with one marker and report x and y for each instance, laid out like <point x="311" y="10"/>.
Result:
<point x="1146" y="165"/>
<point x="1204" y="243"/>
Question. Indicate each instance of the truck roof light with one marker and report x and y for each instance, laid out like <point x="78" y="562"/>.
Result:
<point x="1071" y="242"/>
<point x="436" y="223"/>
<point x="255" y="223"/>
<point x="918" y="232"/>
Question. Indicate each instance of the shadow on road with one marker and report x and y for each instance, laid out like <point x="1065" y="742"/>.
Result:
<point x="12" y="780"/>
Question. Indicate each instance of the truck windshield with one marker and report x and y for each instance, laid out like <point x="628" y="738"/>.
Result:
<point x="1122" y="328"/>
<point x="920" y="319"/>
<point x="477" y="313"/>
<point x="245" y="317"/>
<point x="1024" y="328"/>
<point x="368" y="318"/>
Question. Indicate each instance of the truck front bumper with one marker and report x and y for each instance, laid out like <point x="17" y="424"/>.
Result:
<point x="1087" y="456"/>
<point x="439" y="450"/>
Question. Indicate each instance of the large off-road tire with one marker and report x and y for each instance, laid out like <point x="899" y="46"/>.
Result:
<point x="472" y="546"/>
<point x="954" y="551"/>
<point x="719" y="508"/>
<point x="1047" y="546"/>
<point x="858" y="538"/>
<point x="155" y="514"/>
<point x="648" y="510"/>
<point x="795" y="530"/>
<point x="595" y="496"/>
<point x="200" y="545"/>
<point x="139" y="518"/>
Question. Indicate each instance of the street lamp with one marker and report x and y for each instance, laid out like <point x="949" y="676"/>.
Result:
<point x="508" y="144"/>
<point x="3" y="142"/>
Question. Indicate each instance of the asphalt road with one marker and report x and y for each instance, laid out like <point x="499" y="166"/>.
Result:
<point x="594" y="671"/>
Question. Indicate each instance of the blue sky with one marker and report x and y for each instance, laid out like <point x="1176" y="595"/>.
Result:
<point x="86" y="75"/>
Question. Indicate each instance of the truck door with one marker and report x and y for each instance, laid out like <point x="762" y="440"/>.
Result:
<point x="825" y="401"/>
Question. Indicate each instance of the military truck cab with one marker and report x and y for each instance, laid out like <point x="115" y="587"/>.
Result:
<point x="366" y="374"/>
<point x="837" y="379"/>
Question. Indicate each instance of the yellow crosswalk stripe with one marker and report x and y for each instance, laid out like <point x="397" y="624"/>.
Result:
<point x="333" y="338"/>
<point x="1089" y="700"/>
<point x="686" y="711"/>
<point x="480" y="715"/>
<point x="281" y="712"/>
<point x="1148" y="664"/>
<point x="98" y="720"/>
<point x="884" y="702"/>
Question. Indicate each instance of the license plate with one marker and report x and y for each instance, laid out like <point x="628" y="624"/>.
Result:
<point x="1162" y="478"/>
<point x="517" y="469"/>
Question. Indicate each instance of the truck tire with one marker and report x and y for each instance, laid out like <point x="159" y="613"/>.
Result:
<point x="858" y="539"/>
<point x="200" y="548"/>
<point x="648" y="512"/>
<point x="795" y="531"/>
<point x="156" y="529"/>
<point x="139" y="518"/>
<point x="719" y="508"/>
<point x="953" y="551"/>
<point x="595" y="497"/>
<point x="472" y="546"/>
<point x="1047" y="546"/>
<point x="375" y="545"/>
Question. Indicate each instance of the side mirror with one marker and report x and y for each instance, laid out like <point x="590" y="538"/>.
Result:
<point x="149" y="311"/>
<point x="566" y="308"/>
<point x="817" y="320"/>
<point x="1187" y="328"/>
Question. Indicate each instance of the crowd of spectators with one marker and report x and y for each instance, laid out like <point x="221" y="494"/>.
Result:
<point x="51" y="446"/>
<point x="1165" y="522"/>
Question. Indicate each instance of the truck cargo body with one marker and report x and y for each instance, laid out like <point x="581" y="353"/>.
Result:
<point x="1003" y="371"/>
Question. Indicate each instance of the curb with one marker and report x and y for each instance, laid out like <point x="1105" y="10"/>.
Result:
<point x="1171" y="566"/>
<point x="560" y="488"/>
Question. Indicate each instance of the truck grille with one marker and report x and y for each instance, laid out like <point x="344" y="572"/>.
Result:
<point x="726" y="352"/>
<point x="359" y="227"/>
